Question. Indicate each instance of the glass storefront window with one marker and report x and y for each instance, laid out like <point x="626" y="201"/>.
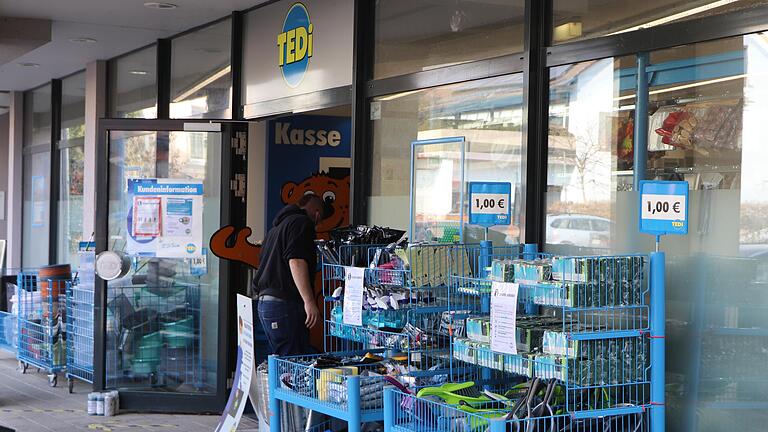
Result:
<point x="575" y="20"/>
<point x="36" y="172"/>
<point x="133" y="85"/>
<point x="160" y="337"/>
<point x="201" y="79"/>
<point x="488" y="113"/>
<point x="71" y="150"/>
<point x="706" y="109"/>
<point x="421" y="35"/>
<point x="37" y="117"/>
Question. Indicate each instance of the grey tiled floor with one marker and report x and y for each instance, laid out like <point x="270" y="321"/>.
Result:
<point x="29" y="404"/>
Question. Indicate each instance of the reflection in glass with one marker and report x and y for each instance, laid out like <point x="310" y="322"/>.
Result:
<point x="415" y="36"/>
<point x="488" y="113"/>
<point x="201" y="79"/>
<point x="70" y="217"/>
<point x="37" y="116"/>
<point x="71" y="154"/>
<point x="162" y="331"/>
<point x="133" y="85"/>
<point x="36" y="168"/>
<point x="706" y="112"/>
<point x="574" y="20"/>
<point x="36" y="210"/>
<point x="438" y="179"/>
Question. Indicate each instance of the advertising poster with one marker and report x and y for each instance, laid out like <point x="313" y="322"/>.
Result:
<point x="233" y="411"/>
<point x="165" y="218"/>
<point x="309" y="154"/>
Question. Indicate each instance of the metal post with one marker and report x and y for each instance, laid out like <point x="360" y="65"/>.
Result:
<point x="486" y="253"/>
<point x="389" y="409"/>
<point x="498" y="426"/>
<point x="354" y="423"/>
<point x="658" y="365"/>
<point x="641" y="120"/>
<point x="274" y="403"/>
<point x="530" y="250"/>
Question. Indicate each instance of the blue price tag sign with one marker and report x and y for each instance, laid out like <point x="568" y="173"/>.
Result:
<point x="490" y="203"/>
<point x="663" y="207"/>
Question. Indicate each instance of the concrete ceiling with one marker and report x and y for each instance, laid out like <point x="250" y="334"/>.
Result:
<point x="118" y="26"/>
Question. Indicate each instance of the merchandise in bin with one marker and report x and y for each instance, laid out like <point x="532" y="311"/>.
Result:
<point x="40" y="303"/>
<point x="154" y="336"/>
<point x="405" y="315"/>
<point x="590" y="336"/>
<point x="540" y="411"/>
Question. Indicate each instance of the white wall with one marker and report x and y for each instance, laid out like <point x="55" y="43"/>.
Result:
<point x="257" y="168"/>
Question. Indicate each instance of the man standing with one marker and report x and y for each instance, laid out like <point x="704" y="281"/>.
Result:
<point x="283" y="283"/>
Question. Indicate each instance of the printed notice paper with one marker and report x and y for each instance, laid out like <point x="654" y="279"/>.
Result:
<point x="503" y="317"/>
<point x="233" y="411"/>
<point x="353" y="295"/>
<point x="165" y="218"/>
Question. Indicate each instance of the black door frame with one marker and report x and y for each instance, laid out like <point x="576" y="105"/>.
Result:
<point x="233" y="161"/>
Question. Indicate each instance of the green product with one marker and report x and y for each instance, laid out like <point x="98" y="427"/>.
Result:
<point x="144" y="367"/>
<point x="179" y="334"/>
<point x="456" y="393"/>
<point x="503" y="270"/>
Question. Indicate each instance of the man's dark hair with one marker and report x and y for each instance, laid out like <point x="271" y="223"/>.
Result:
<point x="308" y="198"/>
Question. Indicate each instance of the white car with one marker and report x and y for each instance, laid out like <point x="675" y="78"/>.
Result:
<point x="579" y="230"/>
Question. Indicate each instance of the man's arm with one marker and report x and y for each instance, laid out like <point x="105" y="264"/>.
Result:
<point x="300" y="273"/>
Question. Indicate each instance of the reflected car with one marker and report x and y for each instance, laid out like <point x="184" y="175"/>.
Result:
<point x="579" y="230"/>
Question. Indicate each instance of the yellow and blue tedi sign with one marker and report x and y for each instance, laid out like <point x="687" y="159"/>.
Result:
<point x="295" y="44"/>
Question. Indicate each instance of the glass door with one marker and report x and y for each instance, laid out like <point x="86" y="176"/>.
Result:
<point x="163" y="192"/>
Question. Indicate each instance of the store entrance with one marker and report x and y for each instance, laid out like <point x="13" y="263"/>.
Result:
<point x="293" y="155"/>
<point x="162" y="327"/>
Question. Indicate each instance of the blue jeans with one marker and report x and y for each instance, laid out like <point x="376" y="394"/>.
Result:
<point x="283" y="324"/>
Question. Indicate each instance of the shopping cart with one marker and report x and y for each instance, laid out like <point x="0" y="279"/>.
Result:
<point x="79" y="334"/>
<point x="8" y="331"/>
<point x="41" y="318"/>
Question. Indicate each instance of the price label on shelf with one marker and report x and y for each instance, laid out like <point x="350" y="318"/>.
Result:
<point x="663" y="207"/>
<point x="504" y="317"/>
<point x="353" y="296"/>
<point x="490" y="203"/>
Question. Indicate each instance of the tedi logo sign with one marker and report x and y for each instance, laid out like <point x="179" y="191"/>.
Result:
<point x="286" y="134"/>
<point x="295" y="44"/>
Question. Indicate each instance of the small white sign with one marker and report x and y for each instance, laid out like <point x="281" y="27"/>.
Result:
<point x="353" y="295"/>
<point x="504" y="317"/>
<point x="376" y="110"/>
<point x="490" y="203"/>
<point x="663" y="207"/>
<point x="233" y="411"/>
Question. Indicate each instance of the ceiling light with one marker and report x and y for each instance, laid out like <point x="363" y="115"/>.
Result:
<point x="138" y="72"/>
<point x="159" y="5"/>
<point x="29" y="64"/>
<point x="202" y="84"/>
<point x="83" y="40"/>
<point x="677" y="16"/>
<point x="686" y="86"/>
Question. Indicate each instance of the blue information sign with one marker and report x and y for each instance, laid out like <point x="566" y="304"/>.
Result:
<point x="490" y="203"/>
<point x="663" y="207"/>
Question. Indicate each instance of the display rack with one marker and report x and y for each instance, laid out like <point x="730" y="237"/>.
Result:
<point x="414" y="335"/>
<point x="584" y="334"/>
